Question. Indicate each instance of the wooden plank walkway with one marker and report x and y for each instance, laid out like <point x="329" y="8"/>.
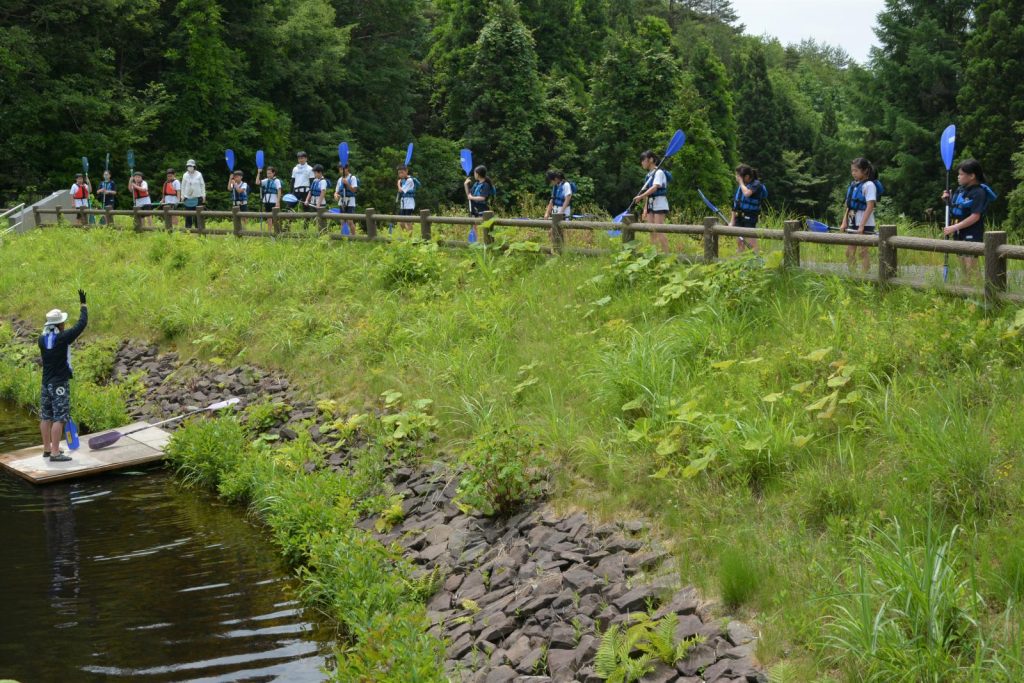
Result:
<point x="130" y="451"/>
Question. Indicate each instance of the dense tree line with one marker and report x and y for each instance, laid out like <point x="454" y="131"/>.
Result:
<point x="582" y="85"/>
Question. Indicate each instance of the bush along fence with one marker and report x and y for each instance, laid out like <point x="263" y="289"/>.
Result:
<point x="994" y="249"/>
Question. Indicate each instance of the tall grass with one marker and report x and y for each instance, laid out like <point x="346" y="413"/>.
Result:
<point x="800" y="413"/>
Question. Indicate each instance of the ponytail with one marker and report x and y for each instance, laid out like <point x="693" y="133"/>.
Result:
<point x="865" y="167"/>
<point x="746" y="171"/>
<point x="973" y="167"/>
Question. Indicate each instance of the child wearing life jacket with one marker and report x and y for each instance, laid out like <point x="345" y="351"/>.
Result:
<point x="654" y="196"/>
<point x="80" y="192"/>
<point x="345" y="192"/>
<point x="968" y="205"/>
<point x="862" y="196"/>
<point x="316" y="198"/>
<point x="270" y="192"/>
<point x="746" y="203"/>
<point x="407" y="186"/>
<point x="172" y="194"/>
<point x="107" y="193"/>
<point x="479" y="195"/>
<point x="140" y="195"/>
<point x="561" y="195"/>
<point x="239" y="190"/>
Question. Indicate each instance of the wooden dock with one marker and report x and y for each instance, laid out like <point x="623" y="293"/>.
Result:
<point x="130" y="451"/>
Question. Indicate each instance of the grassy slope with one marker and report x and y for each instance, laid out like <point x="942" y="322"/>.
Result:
<point x="768" y="503"/>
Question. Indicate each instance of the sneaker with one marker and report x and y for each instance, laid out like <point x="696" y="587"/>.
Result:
<point x="59" y="456"/>
<point x="46" y="455"/>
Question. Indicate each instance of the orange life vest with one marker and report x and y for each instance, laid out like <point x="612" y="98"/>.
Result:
<point x="169" y="190"/>
<point x="81" y="191"/>
<point x="139" y="192"/>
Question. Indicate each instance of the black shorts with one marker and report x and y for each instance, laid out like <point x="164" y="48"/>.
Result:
<point x="868" y="230"/>
<point x="746" y="220"/>
<point x="407" y="212"/>
<point x="661" y="212"/>
<point x="243" y="206"/>
<point x="55" y="402"/>
<point x="269" y="206"/>
<point x="975" y="233"/>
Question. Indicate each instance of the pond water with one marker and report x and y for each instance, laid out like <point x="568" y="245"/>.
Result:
<point x="129" y="577"/>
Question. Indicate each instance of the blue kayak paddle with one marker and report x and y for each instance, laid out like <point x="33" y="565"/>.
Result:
<point x="947" y="147"/>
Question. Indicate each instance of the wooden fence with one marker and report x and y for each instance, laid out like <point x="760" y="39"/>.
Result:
<point x="995" y="250"/>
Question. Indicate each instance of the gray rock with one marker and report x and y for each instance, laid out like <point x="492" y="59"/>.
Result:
<point x="517" y="651"/>
<point x="662" y="673"/>
<point x="497" y="628"/>
<point x="636" y="599"/>
<point x="582" y="580"/>
<point x="472" y="587"/>
<point x="611" y="568"/>
<point x="685" y="601"/>
<point x="645" y="561"/>
<point x="699" y="658"/>
<point x="731" y="668"/>
<point x="452" y="583"/>
<point x="439" y="534"/>
<point x="503" y="674"/>
<point x="560" y="663"/>
<point x="529" y="663"/>
<point x="739" y="633"/>
<point x="689" y="625"/>
<point x="586" y="650"/>
<point x="441" y="601"/>
<point x="562" y="635"/>
<point x="461" y="647"/>
<point x="617" y="544"/>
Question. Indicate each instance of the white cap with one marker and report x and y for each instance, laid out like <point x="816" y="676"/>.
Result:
<point x="56" y="317"/>
<point x="190" y="162"/>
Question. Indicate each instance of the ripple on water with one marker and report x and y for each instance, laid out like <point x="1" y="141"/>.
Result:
<point x="129" y="577"/>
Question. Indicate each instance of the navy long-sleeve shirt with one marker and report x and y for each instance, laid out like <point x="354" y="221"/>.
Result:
<point x="56" y="351"/>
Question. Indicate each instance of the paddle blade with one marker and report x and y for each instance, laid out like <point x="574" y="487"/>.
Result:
<point x="816" y="226"/>
<point x="947" y="145"/>
<point x="71" y="434"/>
<point x="614" y="233"/>
<point x="707" y="202"/>
<point x="85" y="165"/>
<point x="675" y="144"/>
<point x="104" y="440"/>
<point x="259" y="159"/>
<point x="472" y="234"/>
<point x="221" y="405"/>
<point x="344" y="230"/>
<point x="466" y="157"/>
<point x="131" y="159"/>
<point x="229" y="159"/>
<point x="618" y="219"/>
<point x="343" y="153"/>
<point x="408" y="155"/>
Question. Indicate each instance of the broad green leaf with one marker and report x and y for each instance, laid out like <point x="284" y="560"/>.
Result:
<point x="668" y="446"/>
<point x="662" y="473"/>
<point x="801" y="441"/>
<point x="723" y="364"/>
<point x="818" y="354"/>
<point x="838" y="381"/>
<point x="850" y="398"/>
<point x="801" y="387"/>
<point x="635" y="404"/>
<point x="771" y="398"/>
<point x="822" y="402"/>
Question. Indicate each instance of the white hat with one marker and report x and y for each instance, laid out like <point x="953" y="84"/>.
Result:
<point x="190" y="162"/>
<point x="56" y="317"/>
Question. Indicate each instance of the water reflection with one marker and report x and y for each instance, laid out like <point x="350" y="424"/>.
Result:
<point x="131" y="578"/>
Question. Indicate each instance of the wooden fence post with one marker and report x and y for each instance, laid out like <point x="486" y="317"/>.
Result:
<point x="790" y="247"/>
<point x="37" y="217"/>
<point x="488" y="233"/>
<point x="168" y="225"/>
<point x="995" y="265"/>
<point x="628" y="234"/>
<point x="200" y="220"/>
<point x="60" y="214"/>
<point x="137" y="219"/>
<point x="888" y="266"/>
<point x="275" y="221"/>
<point x="557" y="238"/>
<point x="321" y="222"/>
<point x="371" y="224"/>
<point x="425" y="225"/>
<point x="710" y="240"/>
<point x="236" y="221"/>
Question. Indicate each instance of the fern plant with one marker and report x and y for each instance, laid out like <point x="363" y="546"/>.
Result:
<point x="654" y="639"/>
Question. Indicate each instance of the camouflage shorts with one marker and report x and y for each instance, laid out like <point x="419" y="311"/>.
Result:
<point x="55" y="403"/>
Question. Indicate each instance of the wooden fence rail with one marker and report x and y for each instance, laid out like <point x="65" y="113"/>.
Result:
<point x="994" y="249"/>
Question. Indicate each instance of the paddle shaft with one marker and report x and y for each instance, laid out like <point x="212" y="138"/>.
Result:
<point x="945" y="257"/>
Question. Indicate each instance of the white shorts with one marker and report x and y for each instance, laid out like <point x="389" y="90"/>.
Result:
<point x="657" y="204"/>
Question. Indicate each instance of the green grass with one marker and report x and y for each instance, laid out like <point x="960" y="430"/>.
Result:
<point x="791" y="418"/>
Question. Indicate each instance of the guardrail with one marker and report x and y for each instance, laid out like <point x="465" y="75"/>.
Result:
<point x="994" y="250"/>
<point x="7" y="214"/>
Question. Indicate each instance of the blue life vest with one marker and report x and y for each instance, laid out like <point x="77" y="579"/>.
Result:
<point x="412" y="192"/>
<point x="482" y="189"/>
<point x="661" y="191"/>
<point x="316" y="187"/>
<point x="855" y="194"/>
<point x="344" y="191"/>
<point x="270" y="187"/>
<point x="750" y="205"/>
<point x="558" y="193"/>
<point x="961" y="206"/>
<point x="107" y="185"/>
<point x="239" y="197"/>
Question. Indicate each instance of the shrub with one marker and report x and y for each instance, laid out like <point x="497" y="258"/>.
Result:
<point x="404" y="263"/>
<point x="739" y="576"/>
<point x="500" y="472"/>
